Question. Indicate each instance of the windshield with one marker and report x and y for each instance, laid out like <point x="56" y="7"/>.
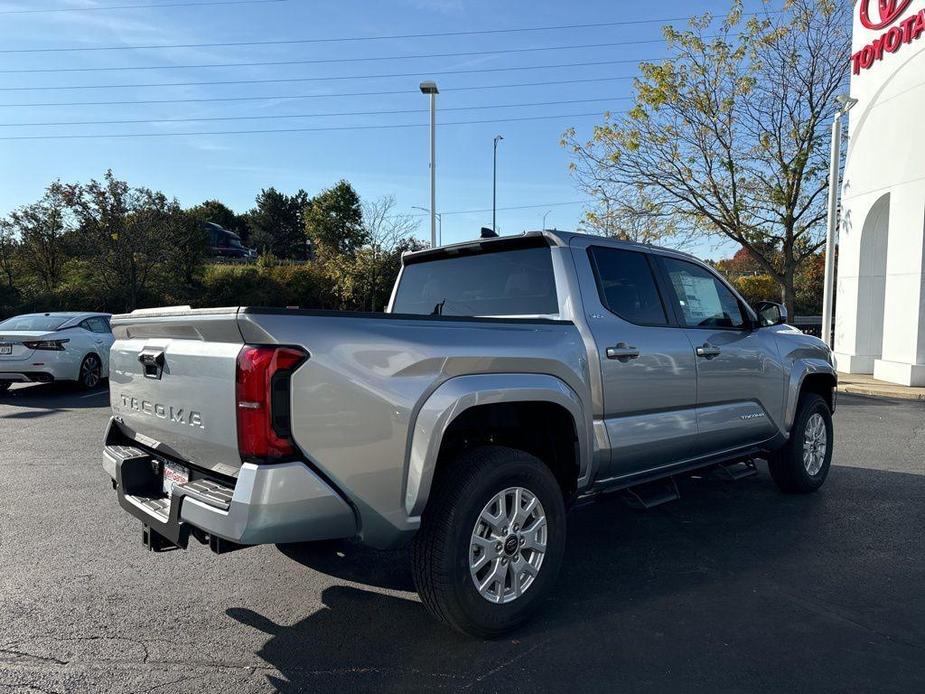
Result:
<point x="34" y="322"/>
<point x="516" y="282"/>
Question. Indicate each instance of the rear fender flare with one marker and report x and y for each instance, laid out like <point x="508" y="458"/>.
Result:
<point x="457" y="395"/>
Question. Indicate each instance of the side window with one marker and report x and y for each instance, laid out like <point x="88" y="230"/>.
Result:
<point x="627" y="286"/>
<point x="97" y="324"/>
<point x="704" y="301"/>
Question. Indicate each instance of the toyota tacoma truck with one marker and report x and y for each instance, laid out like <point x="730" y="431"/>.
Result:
<point x="508" y="380"/>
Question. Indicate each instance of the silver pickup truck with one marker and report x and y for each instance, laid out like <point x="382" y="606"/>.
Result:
<point x="509" y="379"/>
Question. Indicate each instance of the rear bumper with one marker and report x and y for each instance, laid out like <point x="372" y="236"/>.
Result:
<point x="286" y="502"/>
<point x="27" y="376"/>
<point x="40" y="367"/>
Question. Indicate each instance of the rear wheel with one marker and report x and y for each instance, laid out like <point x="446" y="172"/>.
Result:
<point x="803" y="464"/>
<point x="91" y="372"/>
<point x="491" y="541"/>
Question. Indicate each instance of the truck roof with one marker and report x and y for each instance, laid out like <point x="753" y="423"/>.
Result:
<point x="551" y="237"/>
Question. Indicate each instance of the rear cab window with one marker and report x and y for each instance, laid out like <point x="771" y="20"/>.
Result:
<point x="627" y="285"/>
<point x="497" y="280"/>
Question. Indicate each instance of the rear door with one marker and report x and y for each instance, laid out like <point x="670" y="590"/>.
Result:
<point x="739" y="375"/>
<point x="101" y="335"/>
<point x="648" y="370"/>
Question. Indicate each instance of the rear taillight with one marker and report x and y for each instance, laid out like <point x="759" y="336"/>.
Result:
<point x="48" y="345"/>
<point x="262" y="386"/>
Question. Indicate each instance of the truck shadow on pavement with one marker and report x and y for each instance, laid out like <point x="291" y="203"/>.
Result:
<point x="734" y="586"/>
<point x="37" y="400"/>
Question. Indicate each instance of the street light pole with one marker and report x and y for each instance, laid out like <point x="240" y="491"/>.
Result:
<point x="846" y="103"/>
<point x="494" y="185"/>
<point x="439" y="222"/>
<point x="545" y="214"/>
<point x="430" y="88"/>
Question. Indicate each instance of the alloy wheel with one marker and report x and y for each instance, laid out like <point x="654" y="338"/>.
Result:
<point x="815" y="444"/>
<point x="90" y="371"/>
<point x="508" y="545"/>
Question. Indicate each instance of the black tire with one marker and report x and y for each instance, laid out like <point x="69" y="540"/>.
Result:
<point x="786" y="465"/>
<point x="91" y="372"/>
<point x="441" y="550"/>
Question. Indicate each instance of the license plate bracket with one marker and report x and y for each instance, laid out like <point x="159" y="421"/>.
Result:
<point x="174" y="474"/>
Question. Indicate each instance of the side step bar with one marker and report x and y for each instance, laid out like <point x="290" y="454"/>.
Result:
<point x="732" y="472"/>
<point x="652" y="494"/>
<point x="658" y="492"/>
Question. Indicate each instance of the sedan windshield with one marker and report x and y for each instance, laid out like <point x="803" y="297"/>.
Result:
<point x="33" y="322"/>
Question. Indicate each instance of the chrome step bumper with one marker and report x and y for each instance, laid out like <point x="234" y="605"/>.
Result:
<point x="279" y="503"/>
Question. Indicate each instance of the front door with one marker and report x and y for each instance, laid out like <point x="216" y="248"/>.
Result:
<point x="740" y="382"/>
<point x="648" y="370"/>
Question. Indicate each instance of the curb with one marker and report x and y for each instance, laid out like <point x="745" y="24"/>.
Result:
<point x="897" y="392"/>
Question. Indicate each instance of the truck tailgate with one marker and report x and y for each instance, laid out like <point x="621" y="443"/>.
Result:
<point x="172" y="383"/>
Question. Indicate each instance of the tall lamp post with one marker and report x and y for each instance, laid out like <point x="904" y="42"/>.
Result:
<point x="545" y="214"/>
<point x="430" y="88"/>
<point x="439" y="222"/>
<point x="494" y="184"/>
<point x="846" y="103"/>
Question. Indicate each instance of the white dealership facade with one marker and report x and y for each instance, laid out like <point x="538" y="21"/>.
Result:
<point x="880" y="300"/>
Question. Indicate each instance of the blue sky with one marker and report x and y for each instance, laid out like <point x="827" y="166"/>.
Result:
<point x="533" y="167"/>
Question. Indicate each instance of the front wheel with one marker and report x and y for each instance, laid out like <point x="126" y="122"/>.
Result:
<point x="491" y="541"/>
<point x="802" y="465"/>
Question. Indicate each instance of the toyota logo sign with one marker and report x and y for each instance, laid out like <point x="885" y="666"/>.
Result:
<point x="889" y="12"/>
<point x="897" y="32"/>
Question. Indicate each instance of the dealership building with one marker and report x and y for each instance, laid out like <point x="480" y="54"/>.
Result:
<point x="880" y="300"/>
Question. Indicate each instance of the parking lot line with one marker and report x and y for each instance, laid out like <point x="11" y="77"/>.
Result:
<point x="90" y="395"/>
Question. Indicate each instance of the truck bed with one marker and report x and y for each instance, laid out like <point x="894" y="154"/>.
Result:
<point x="353" y="400"/>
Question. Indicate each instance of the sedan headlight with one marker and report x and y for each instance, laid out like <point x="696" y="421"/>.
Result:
<point x="50" y="345"/>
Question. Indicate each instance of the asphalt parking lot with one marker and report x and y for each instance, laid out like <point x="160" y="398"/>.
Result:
<point x="734" y="588"/>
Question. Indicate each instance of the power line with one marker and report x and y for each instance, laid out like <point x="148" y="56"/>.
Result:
<point x="382" y="37"/>
<point x="281" y="97"/>
<point x="521" y="207"/>
<point x="139" y="7"/>
<point x="307" y="115"/>
<point x="326" y="78"/>
<point x="294" y="130"/>
<point x="321" y="61"/>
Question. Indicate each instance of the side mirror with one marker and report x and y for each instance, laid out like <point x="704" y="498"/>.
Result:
<point x="771" y="313"/>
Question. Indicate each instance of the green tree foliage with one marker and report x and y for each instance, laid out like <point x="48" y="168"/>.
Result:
<point x="277" y="224"/>
<point x="125" y="247"/>
<point x="124" y="234"/>
<point x="9" y="253"/>
<point x="334" y="221"/>
<point x="726" y="137"/>
<point x="187" y="245"/>
<point x="42" y="229"/>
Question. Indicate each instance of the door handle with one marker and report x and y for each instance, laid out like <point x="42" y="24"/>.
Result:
<point x="708" y="351"/>
<point x="622" y="352"/>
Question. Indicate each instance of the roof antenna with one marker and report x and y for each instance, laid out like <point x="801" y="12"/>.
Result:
<point x="488" y="233"/>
